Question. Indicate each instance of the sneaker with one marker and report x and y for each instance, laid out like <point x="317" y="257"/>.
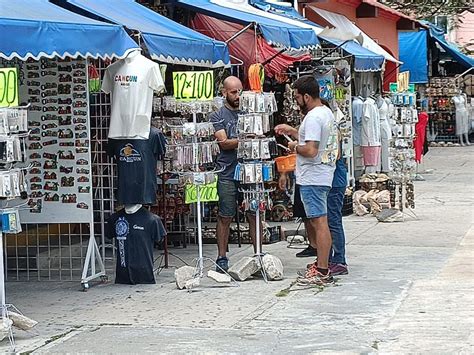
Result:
<point x="308" y="252"/>
<point x="312" y="265"/>
<point x="222" y="264"/>
<point x="338" y="269"/>
<point x="314" y="277"/>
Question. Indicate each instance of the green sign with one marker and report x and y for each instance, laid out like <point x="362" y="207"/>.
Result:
<point x="411" y="88"/>
<point x="193" y="85"/>
<point x="207" y="193"/>
<point x="393" y="87"/>
<point x="8" y="87"/>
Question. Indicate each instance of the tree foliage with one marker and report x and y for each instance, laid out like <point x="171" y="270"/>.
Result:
<point x="426" y="9"/>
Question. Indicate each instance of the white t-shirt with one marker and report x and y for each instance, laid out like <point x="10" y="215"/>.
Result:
<point x="131" y="82"/>
<point x="318" y="125"/>
<point x="370" y="136"/>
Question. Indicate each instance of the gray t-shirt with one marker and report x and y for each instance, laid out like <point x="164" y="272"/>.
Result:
<point x="226" y="119"/>
<point x="318" y="125"/>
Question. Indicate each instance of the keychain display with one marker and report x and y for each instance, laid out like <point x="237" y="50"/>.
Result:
<point x="13" y="120"/>
<point x="253" y="124"/>
<point x="188" y="155"/>
<point x="10" y="220"/>
<point x="254" y="102"/>
<point x="257" y="149"/>
<point x="189" y="129"/>
<point x="13" y="183"/>
<point x="253" y="173"/>
<point x="10" y="149"/>
<point x="197" y="179"/>
<point x="188" y="107"/>
<point x="256" y="201"/>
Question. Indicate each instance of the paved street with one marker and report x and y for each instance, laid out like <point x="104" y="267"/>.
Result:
<point x="410" y="289"/>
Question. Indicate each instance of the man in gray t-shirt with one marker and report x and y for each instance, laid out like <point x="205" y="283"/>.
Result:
<point x="225" y="125"/>
<point x="316" y="154"/>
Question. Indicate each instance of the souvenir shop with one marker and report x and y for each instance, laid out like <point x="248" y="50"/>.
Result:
<point x="57" y="140"/>
<point x="444" y="79"/>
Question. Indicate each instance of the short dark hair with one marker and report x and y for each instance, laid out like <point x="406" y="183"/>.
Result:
<point x="307" y="84"/>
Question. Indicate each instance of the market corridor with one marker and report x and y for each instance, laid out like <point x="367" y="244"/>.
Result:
<point x="410" y="289"/>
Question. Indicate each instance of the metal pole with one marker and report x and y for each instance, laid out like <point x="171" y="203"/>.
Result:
<point x="250" y="25"/>
<point x="199" y="226"/>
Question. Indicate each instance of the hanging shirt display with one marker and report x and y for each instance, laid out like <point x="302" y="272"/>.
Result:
<point x="420" y="136"/>
<point x="135" y="235"/>
<point x="370" y="124"/>
<point x="357" y="111"/>
<point x="462" y="118"/>
<point x="131" y="83"/>
<point x="136" y="163"/>
<point x="385" y="134"/>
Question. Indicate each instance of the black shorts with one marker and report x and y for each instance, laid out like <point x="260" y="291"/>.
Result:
<point x="298" y="207"/>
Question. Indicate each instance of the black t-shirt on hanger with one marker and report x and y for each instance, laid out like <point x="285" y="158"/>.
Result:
<point x="135" y="235"/>
<point x="136" y="163"/>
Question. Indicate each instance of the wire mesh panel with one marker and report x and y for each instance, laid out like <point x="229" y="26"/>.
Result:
<point x="56" y="251"/>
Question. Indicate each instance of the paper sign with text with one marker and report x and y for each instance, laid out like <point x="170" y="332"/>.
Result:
<point x="207" y="193"/>
<point x="8" y="87"/>
<point x="193" y="85"/>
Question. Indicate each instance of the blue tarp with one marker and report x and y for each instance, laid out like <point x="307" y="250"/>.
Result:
<point x="275" y="32"/>
<point x="166" y="40"/>
<point x="365" y="60"/>
<point x="413" y="52"/>
<point x="37" y="28"/>
<point x="437" y="34"/>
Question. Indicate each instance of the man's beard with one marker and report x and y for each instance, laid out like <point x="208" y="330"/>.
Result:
<point x="233" y="104"/>
<point x="304" y="108"/>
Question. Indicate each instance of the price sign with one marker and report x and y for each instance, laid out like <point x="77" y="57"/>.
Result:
<point x="8" y="87"/>
<point x="403" y="81"/>
<point x="207" y="193"/>
<point x="193" y="85"/>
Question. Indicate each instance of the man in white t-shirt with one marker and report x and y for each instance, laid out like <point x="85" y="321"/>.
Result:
<point x="317" y="150"/>
<point x="131" y="83"/>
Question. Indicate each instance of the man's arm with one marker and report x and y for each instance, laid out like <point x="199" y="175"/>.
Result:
<point x="224" y="142"/>
<point x="286" y="129"/>
<point x="309" y="149"/>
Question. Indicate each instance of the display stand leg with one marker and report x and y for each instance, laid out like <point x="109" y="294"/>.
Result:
<point x="92" y="256"/>
<point x="199" y="268"/>
<point x="6" y="322"/>
<point x="259" y="254"/>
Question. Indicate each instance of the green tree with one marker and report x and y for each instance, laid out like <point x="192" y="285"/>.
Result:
<point x="427" y="9"/>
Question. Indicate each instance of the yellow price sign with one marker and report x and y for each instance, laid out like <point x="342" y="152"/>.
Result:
<point x="8" y="87"/>
<point x="193" y="85"/>
<point x="403" y="81"/>
<point x="207" y="193"/>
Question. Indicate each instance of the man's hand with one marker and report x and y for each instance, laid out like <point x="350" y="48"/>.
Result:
<point x="282" y="180"/>
<point x="286" y="129"/>
<point x="292" y="146"/>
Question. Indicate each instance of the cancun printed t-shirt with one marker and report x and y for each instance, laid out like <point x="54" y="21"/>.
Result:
<point x="135" y="235"/>
<point x="131" y="83"/>
<point x="136" y="166"/>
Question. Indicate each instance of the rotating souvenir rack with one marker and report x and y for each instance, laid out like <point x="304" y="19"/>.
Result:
<point x="402" y="153"/>
<point x="255" y="153"/>
<point x="13" y="187"/>
<point x="192" y="151"/>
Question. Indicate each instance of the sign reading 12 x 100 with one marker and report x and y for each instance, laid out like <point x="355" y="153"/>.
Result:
<point x="8" y="87"/>
<point x="193" y="85"/>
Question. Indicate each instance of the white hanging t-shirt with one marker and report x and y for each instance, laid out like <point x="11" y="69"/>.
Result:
<point x="370" y="136"/>
<point x="131" y="83"/>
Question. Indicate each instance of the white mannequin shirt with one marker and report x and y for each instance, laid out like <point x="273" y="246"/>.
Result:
<point x="131" y="83"/>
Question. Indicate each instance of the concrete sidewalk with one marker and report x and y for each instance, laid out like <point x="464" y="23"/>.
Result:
<point x="409" y="290"/>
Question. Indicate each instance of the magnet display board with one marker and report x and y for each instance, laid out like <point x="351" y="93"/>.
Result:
<point x="58" y="147"/>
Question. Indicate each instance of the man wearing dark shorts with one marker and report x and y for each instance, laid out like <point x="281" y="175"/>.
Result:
<point x="225" y="125"/>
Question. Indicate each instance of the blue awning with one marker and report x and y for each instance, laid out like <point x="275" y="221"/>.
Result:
<point x="37" y="28"/>
<point x="437" y="34"/>
<point x="277" y="33"/>
<point x="413" y="52"/>
<point x="365" y="60"/>
<point x="166" y="40"/>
